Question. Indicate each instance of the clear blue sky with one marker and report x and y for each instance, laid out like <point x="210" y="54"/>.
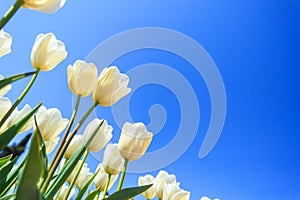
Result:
<point x="255" y="45"/>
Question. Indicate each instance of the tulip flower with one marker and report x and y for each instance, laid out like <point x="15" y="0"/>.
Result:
<point x="5" y="105"/>
<point x="134" y="141"/>
<point x="5" y="43"/>
<point x="47" y="52"/>
<point x="47" y="6"/>
<point x="111" y="87"/>
<point x="101" y="138"/>
<point x="17" y="115"/>
<point x="50" y="122"/>
<point x="82" y="78"/>
<point x="83" y="176"/>
<point x="112" y="160"/>
<point x="146" y="180"/>
<point x="63" y="192"/>
<point x="173" y="192"/>
<point x="75" y="144"/>
<point x="101" y="178"/>
<point x="161" y="179"/>
<point x="51" y="144"/>
<point x="6" y="88"/>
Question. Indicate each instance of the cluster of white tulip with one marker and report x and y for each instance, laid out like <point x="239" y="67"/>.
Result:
<point x="164" y="187"/>
<point x="106" y="90"/>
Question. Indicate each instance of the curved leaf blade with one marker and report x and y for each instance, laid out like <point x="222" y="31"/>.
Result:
<point x="128" y="193"/>
<point x="14" y="78"/>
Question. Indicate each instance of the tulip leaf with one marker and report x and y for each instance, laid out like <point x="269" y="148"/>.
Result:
<point x="10" y="179"/>
<point x="4" y="160"/>
<point x="14" y="78"/>
<point x="10" y="133"/>
<point x="86" y="187"/>
<point x="68" y="168"/>
<point x="4" y="171"/>
<point x="32" y="172"/>
<point x="8" y="197"/>
<point x="92" y="195"/>
<point x="128" y="193"/>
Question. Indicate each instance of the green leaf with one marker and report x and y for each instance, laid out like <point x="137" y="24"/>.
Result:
<point x="68" y="168"/>
<point x="14" y="78"/>
<point x="10" y="133"/>
<point x="128" y="193"/>
<point x="4" y="160"/>
<point x="92" y="195"/>
<point x="11" y="179"/>
<point x="86" y="187"/>
<point x="5" y="170"/>
<point x="8" y="197"/>
<point x="32" y="172"/>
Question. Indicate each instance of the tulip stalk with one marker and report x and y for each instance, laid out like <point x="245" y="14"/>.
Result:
<point x="64" y="148"/>
<point x="106" y="186"/>
<point x="122" y="175"/>
<point x="20" y="98"/>
<point x="10" y="13"/>
<point x="86" y="153"/>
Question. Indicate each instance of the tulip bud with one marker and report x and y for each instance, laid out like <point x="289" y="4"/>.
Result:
<point x="173" y="192"/>
<point x="134" y="141"/>
<point x="17" y="115"/>
<point x="101" y="138"/>
<point x="6" y="88"/>
<point x="146" y="180"/>
<point x="5" y="43"/>
<point x="63" y="192"/>
<point x="74" y="145"/>
<point x="101" y="178"/>
<point x="82" y="78"/>
<point x="111" y="87"/>
<point x="112" y="160"/>
<point x="50" y="123"/>
<point x="47" y="6"/>
<point x="161" y="179"/>
<point x="47" y="52"/>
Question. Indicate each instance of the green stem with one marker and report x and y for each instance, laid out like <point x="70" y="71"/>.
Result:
<point x="86" y="153"/>
<point x="122" y="175"/>
<point x="106" y="186"/>
<point x="64" y="148"/>
<point x="11" y="11"/>
<point x="20" y="98"/>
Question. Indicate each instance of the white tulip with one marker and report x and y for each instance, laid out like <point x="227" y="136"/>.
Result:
<point x="111" y="87"/>
<point x="6" y="88"/>
<point x="173" y="192"/>
<point x="47" y="6"/>
<point x="5" y="43"/>
<point x="101" y="138"/>
<point x="161" y="180"/>
<point x="112" y="160"/>
<point x="101" y="178"/>
<point x="82" y="78"/>
<point x="17" y="115"/>
<point x="50" y="123"/>
<point x="5" y="105"/>
<point x="63" y="192"/>
<point x="74" y="145"/>
<point x="47" y="52"/>
<point x="83" y="177"/>
<point x="146" y="180"/>
<point x="134" y="140"/>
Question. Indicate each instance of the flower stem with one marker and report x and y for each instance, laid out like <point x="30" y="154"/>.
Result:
<point x="20" y="98"/>
<point x="106" y="186"/>
<point x="64" y="148"/>
<point x="122" y="175"/>
<point x="86" y="153"/>
<point x="11" y="11"/>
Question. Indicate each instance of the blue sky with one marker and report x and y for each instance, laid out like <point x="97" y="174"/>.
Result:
<point x="255" y="45"/>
